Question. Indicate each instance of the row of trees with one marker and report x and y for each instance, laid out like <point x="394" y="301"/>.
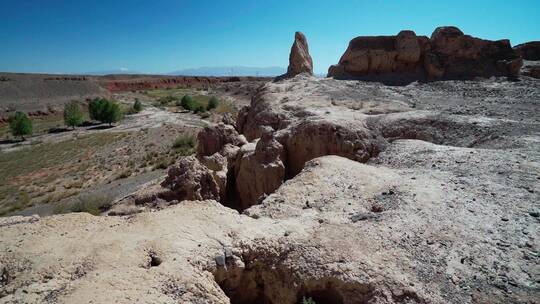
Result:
<point x="100" y="109"/>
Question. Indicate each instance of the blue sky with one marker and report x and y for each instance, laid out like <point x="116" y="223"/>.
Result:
<point x="162" y="36"/>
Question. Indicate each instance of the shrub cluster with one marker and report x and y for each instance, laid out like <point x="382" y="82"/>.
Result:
<point x="104" y="110"/>
<point x="188" y="103"/>
<point x="166" y="100"/>
<point x="73" y="116"/>
<point x="212" y="103"/>
<point x="185" y="144"/>
<point x="137" y="106"/>
<point x="20" y="125"/>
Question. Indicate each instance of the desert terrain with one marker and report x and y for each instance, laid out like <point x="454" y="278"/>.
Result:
<point x="411" y="174"/>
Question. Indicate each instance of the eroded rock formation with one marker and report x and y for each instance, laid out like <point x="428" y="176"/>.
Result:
<point x="448" y="54"/>
<point x="429" y="197"/>
<point x="529" y="50"/>
<point x="299" y="59"/>
<point x="188" y="179"/>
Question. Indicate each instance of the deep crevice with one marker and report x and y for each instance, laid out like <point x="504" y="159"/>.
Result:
<point x="266" y="281"/>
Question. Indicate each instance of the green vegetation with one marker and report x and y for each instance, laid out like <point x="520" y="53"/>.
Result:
<point x="162" y="164"/>
<point x="43" y="124"/>
<point x="196" y="96"/>
<point x="94" y="203"/>
<point x="31" y="169"/>
<point x="137" y="106"/>
<point x="166" y="100"/>
<point x="185" y="144"/>
<point x="104" y="110"/>
<point x="20" y="125"/>
<point x="212" y="103"/>
<point x="189" y="104"/>
<point x="73" y="116"/>
<point x="308" y="301"/>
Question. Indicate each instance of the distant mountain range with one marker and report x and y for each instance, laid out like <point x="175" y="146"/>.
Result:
<point x="231" y="71"/>
<point x="206" y="71"/>
<point x="112" y="72"/>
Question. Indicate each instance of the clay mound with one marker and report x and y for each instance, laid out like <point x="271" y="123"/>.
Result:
<point x="340" y="232"/>
<point x="448" y="54"/>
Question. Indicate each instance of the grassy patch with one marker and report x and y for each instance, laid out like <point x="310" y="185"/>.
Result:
<point x="40" y="165"/>
<point x="185" y="144"/>
<point x="169" y="96"/>
<point x="32" y="158"/>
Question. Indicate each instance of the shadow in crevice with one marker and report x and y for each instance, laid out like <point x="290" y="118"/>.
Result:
<point x="266" y="281"/>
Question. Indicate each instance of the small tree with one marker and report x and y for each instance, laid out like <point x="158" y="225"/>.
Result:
<point x="95" y="108"/>
<point x="137" y="106"/>
<point x="105" y="111"/>
<point x="73" y="116"/>
<point x="111" y="113"/>
<point x="20" y="125"/>
<point x="188" y="103"/>
<point x="212" y="103"/>
<point x="199" y="108"/>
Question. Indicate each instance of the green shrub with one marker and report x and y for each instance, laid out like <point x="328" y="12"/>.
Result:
<point x="20" y="125"/>
<point x="188" y="103"/>
<point x="308" y="301"/>
<point x="95" y="107"/>
<point x="73" y="116"/>
<point x="163" y="164"/>
<point x="104" y="110"/>
<point x="137" y="106"/>
<point x="185" y="144"/>
<point x="212" y="103"/>
<point x="166" y="100"/>
<point x="199" y="109"/>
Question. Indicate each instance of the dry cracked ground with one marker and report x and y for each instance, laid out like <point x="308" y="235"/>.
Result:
<point x="356" y="193"/>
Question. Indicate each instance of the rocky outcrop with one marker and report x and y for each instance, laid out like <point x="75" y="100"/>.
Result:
<point x="531" y="69"/>
<point x="299" y="59"/>
<point x="259" y="170"/>
<point x="406" y="57"/>
<point x="529" y="50"/>
<point x="432" y="200"/>
<point x="213" y="139"/>
<point x="188" y="179"/>
<point x="313" y="138"/>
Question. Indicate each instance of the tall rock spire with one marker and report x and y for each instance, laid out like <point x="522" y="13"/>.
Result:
<point x="299" y="60"/>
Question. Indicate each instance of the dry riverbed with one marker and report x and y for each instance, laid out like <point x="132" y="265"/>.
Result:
<point x="52" y="172"/>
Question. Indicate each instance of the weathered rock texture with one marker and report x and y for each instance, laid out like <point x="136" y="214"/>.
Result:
<point x="529" y="50"/>
<point x="430" y="196"/>
<point x="531" y="69"/>
<point x="299" y="60"/>
<point x="448" y="54"/>
<point x="188" y="179"/>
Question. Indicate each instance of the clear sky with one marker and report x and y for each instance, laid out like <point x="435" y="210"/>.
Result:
<point x="160" y="36"/>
